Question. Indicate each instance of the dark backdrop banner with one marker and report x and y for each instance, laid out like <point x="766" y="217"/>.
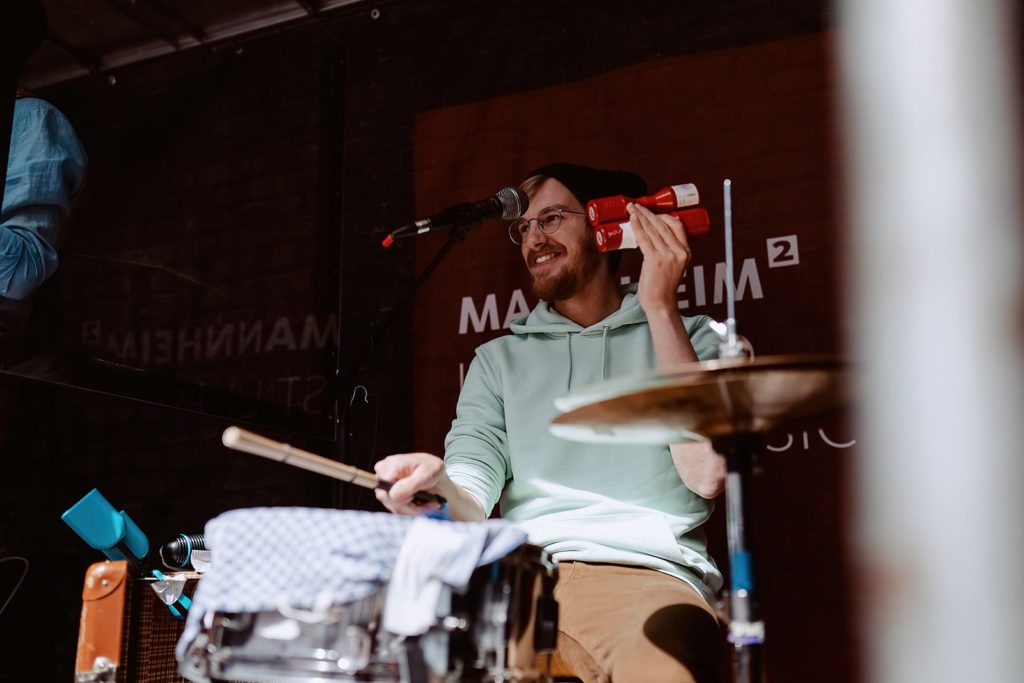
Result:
<point x="761" y="115"/>
<point x="758" y="115"/>
<point x="229" y="237"/>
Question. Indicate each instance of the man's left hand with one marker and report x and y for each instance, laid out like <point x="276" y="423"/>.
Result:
<point x="662" y="241"/>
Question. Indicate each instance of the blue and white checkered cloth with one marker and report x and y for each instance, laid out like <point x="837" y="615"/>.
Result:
<point x="264" y="558"/>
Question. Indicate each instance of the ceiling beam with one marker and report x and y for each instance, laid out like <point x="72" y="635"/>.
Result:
<point x="84" y="59"/>
<point x="312" y="7"/>
<point x="154" y="24"/>
<point x="116" y="58"/>
<point x="189" y="27"/>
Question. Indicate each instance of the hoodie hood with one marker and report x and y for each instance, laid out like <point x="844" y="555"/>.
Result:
<point x="544" y="319"/>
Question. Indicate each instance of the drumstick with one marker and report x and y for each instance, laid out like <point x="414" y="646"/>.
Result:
<point x="241" y="440"/>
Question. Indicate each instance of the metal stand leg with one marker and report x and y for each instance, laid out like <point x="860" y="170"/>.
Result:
<point x="746" y="630"/>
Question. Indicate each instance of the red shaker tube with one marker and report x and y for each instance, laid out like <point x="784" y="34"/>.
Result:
<point x="670" y="198"/>
<point x="619" y="234"/>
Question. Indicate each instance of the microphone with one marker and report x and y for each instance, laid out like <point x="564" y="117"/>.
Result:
<point x="509" y="203"/>
<point x="177" y="554"/>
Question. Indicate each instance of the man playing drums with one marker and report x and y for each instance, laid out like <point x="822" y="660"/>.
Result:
<point x="624" y="522"/>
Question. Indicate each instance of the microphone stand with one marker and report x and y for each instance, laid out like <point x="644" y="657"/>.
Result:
<point x="462" y="223"/>
<point x="461" y="226"/>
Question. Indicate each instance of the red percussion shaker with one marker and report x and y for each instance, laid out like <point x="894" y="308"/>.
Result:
<point x="609" y="209"/>
<point x="619" y="234"/>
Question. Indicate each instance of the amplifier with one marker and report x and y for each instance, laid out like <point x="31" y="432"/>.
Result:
<point x="126" y="632"/>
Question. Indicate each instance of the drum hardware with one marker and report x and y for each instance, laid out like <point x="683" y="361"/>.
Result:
<point x="731" y="346"/>
<point x="706" y="400"/>
<point x="732" y="402"/>
<point x="453" y="623"/>
<point x="241" y="440"/>
<point x="492" y="633"/>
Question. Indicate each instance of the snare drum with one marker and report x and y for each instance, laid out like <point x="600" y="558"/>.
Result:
<point x="492" y="633"/>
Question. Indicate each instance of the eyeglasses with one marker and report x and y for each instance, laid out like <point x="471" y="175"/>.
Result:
<point x="547" y="222"/>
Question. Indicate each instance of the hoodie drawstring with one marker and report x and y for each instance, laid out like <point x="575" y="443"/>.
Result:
<point x="604" y="354"/>
<point x="568" y="348"/>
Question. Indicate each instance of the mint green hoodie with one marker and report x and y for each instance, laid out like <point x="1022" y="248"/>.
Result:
<point x="590" y="502"/>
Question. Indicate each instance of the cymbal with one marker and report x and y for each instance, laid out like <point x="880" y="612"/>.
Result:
<point x="703" y="400"/>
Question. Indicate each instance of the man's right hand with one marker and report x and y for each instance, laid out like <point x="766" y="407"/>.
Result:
<point x="409" y="473"/>
<point x="412" y="472"/>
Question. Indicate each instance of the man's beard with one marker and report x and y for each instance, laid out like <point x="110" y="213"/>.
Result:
<point x="572" y="279"/>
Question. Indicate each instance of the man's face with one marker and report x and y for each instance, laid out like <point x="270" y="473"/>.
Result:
<point x="561" y="263"/>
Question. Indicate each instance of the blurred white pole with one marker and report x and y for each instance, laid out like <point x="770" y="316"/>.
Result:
<point x="938" y="326"/>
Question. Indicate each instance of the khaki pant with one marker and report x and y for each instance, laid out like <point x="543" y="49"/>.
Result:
<point x="629" y="624"/>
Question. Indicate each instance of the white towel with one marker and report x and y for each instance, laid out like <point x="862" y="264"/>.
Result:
<point x="435" y="554"/>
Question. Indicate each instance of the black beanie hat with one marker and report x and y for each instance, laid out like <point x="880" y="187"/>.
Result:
<point x="587" y="183"/>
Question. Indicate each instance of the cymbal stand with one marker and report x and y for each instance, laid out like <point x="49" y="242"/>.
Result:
<point x="731" y="347"/>
<point x="746" y="629"/>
